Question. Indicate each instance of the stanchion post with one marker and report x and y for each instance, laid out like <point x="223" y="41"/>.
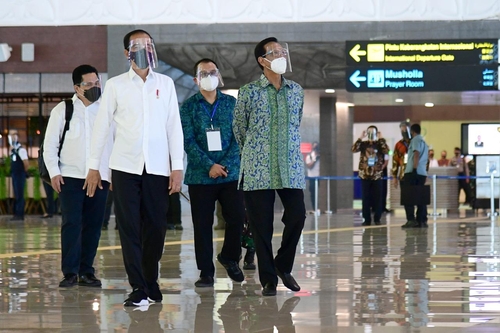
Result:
<point x="434" y="213"/>
<point x="434" y="194"/>
<point x="492" y="196"/>
<point x="328" y="210"/>
<point x="316" y="197"/>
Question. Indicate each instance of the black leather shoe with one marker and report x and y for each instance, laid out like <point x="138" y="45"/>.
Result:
<point x="269" y="289"/>
<point x="366" y="224"/>
<point x="204" y="282"/>
<point x="89" y="280"/>
<point x="69" y="280"/>
<point x="288" y="281"/>
<point x="410" y="224"/>
<point x="232" y="268"/>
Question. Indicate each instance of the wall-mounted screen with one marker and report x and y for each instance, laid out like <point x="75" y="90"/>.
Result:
<point x="485" y="165"/>
<point x="481" y="139"/>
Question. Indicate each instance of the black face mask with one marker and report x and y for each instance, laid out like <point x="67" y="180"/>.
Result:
<point x="405" y="135"/>
<point x="141" y="58"/>
<point x="92" y="94"/>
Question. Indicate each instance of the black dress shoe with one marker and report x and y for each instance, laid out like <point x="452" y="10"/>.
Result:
<point x="366" y="224"/>
<point x="288" y="281"/>
<point x="232" y="268"/>
<point x="269" y="289"/>
<point x="69" y="280"/>
<point x="204" y="282"/>
<point x="89" y="280"/>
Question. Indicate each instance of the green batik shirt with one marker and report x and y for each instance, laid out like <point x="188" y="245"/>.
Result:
<point x="266" y="126"/>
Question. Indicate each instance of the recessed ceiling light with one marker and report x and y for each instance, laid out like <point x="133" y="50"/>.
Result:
<point x="429" y="105"/>
<point x="330" y="91"/>
<point x="399" y="100"/>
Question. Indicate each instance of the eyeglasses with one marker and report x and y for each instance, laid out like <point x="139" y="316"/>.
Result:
<point x="277" y="53"/>
<point x="96" y="83"/>
<point x="204" y="74"/>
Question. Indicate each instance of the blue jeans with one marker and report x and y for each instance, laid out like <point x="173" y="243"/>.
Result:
<point x="81" y="225"/>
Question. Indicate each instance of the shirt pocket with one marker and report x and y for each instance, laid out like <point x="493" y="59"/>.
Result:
<point x="74" y="131"/>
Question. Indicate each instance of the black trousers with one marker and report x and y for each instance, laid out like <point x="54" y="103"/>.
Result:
<point x="412" y="179"/>
<point x="18" y="183"/>
<point x="260" y="210"/>
<point x="51" y="203"/>
<point x="107" y="211"/>
<point x="174" y="209"/>
<point x="372" y="199"/>
<point x="141" y="203"/>
<point x="81" y="225"/>
<point x="312" y="190"/>
<point x="203" y="198"/>
<point x="463" y="185"/>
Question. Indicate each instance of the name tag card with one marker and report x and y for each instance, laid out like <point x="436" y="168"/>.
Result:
<point x="213" y="139"/>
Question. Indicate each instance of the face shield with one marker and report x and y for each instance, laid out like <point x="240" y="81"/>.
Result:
<point x="209" y="80"/>
<point x="372" y="133"/>
<point x="143" y="53"/>
<point x="405" y="131"/>
<point x="278" y="58"/>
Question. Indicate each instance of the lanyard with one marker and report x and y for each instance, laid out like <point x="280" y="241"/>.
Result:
<point x="208" y="113"/>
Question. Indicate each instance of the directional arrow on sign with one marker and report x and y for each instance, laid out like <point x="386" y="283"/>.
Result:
<point x="356" y="79"/>
<point x="355" y="53"/>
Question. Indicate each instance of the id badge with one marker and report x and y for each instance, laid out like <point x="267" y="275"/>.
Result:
<point x="213" y="139"/>
<point x="372" y="161"/>
<point x="406" y="158"/>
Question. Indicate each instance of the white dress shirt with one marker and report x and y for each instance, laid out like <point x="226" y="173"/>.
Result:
<point x="148" y="126"/>
<point x="75" y="153"/>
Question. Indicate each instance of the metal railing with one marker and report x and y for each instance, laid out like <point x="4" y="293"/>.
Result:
<point x="434" y="178"/>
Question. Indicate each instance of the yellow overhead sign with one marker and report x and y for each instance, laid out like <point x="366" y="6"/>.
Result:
<point x="472" y="52"/>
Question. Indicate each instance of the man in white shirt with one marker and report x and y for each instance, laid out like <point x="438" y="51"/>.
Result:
<point x="81" y="215"/>
<point x="146" y="161"/>
<point x="18" y="171"/>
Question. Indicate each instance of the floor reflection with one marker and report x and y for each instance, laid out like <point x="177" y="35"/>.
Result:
<point x="354" y="279"/>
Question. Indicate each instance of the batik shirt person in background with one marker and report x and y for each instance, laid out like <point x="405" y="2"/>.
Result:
<point x="372" y="161"/>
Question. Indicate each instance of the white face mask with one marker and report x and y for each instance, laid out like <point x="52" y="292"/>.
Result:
<point x="278" y="65"/>
<point x="209" y="83"/>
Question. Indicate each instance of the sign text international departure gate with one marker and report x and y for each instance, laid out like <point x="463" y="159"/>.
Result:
<point x="431" y="65"/>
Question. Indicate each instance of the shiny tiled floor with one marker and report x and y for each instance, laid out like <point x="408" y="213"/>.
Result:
<point x="354" y="279"/>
